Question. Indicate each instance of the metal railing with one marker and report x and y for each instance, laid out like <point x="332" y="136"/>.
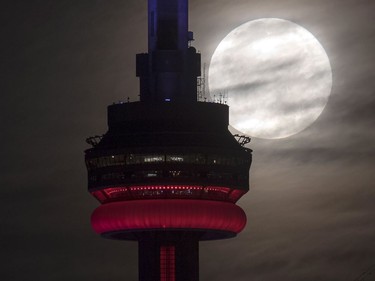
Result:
<point x="94" y="141"/>
<point x="241" y="139"/>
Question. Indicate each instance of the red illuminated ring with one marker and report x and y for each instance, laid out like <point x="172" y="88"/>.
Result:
<point x="167" y="214"/>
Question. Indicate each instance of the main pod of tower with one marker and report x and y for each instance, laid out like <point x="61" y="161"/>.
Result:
<point x="168" y="172"/>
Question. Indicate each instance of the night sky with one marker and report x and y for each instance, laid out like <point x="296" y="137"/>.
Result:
<point x="311" y="210"/>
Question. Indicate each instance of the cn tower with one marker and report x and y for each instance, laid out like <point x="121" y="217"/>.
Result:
<point x="168" y="172"/>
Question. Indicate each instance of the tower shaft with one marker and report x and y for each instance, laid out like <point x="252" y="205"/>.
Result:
<point x="168" y="256"/>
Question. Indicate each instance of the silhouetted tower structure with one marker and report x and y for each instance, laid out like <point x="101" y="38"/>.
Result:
<point x="168" y="172"/>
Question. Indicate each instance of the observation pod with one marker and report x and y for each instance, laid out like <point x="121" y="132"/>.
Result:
<point x="168" y="172"/>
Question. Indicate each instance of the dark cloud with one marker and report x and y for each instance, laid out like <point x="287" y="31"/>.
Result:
<point x="261" y="82"/>
<point x="246" y="88"/>
<point x="293" y="107"/>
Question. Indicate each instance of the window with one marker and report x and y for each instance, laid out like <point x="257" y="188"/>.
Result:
<point x="153" y="158"/>
<point x="175" y="158"/>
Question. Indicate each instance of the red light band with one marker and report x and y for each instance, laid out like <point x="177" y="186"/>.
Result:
<point x="168" y="214"/>
<point x="168" y="191"/>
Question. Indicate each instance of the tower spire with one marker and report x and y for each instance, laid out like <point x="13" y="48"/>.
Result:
<point x="169" y="71"/>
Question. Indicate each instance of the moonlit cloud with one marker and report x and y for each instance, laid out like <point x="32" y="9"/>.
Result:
<point x="277" y="75"/>
<point x="311" y="205"/>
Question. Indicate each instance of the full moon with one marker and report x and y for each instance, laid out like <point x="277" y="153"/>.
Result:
<point x="277" y="76"/>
